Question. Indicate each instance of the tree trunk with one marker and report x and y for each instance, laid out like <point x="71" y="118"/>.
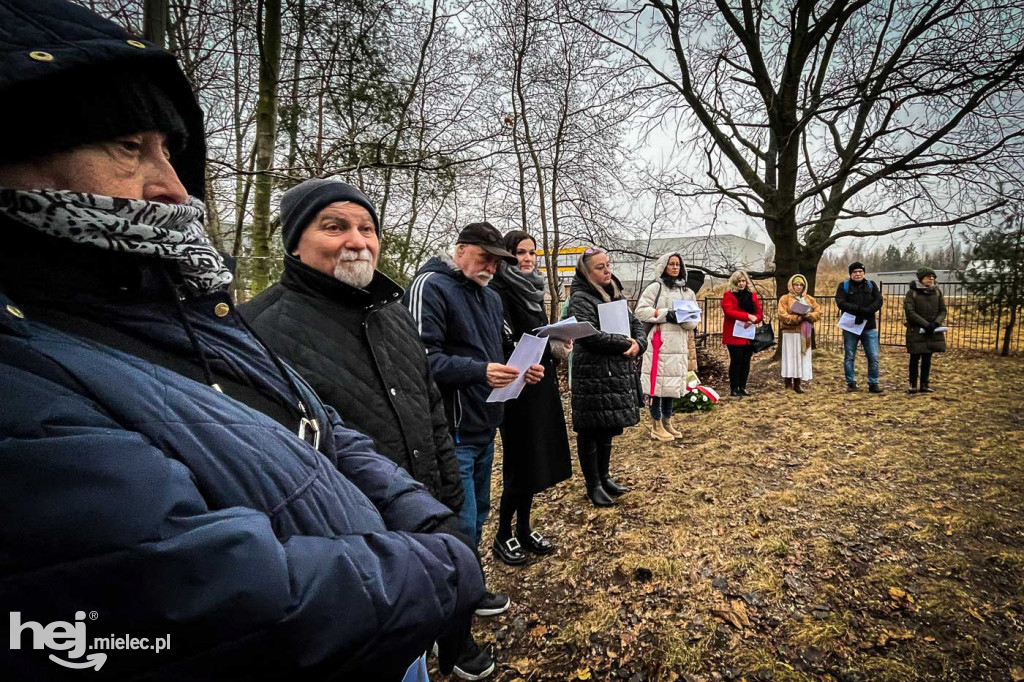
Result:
<point x="293" y="117"/>
<point x="1008" y="331"/>
<point x="155" y="18"/>
<point x="266" y="137"/>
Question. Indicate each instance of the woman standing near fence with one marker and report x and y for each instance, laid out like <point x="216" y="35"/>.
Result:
<point x="739" y="304"/>
<point x="668" y="355"/>
<point x="798" y="311"/>
<point x="534" y="442"/>
<point x="605" y="383"/>
<point x="925" y="311"/>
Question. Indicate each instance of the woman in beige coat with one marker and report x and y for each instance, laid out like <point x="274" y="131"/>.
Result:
<point x="667" y="358"/>
<point x="798" y="311"/>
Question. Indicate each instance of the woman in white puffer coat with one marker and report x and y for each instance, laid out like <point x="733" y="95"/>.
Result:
<point x="669" y="354"/>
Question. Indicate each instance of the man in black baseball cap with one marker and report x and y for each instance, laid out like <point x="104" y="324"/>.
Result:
<point x="460" y="322"/>
<point x="487" y="237"/>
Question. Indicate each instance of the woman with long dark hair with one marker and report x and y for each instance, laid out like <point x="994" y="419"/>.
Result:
<point x="534" y="441"/>
<point x="667" y="358"/>
<point x="606" y="394"/>
<point x="739" y="304"/>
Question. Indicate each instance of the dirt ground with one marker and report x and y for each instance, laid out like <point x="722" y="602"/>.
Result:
<point x="828" y="536"/>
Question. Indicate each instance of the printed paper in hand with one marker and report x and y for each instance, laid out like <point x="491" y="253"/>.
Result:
<point x="848" y="323"/>
<point x="566" y="330"/>
<point x="922" y="330"/>
<point x="528" y="352"/>
<point x="686" y="311"/>
<point x="741" y="332"/>
<point x="614" y="317"/>
<point x="798" y="308"/>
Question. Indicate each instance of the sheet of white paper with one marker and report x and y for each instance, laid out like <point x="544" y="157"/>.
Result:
<point x="686" y="311"/>
<point x="937" y="329"/>
<point x="528" y="351"/>
<point x="847" y="322"/>
<point x="614" y="317"/>
<point x="566" y="330"/>
<point x="799" y="308"/>
<point x="683" y="306"/>
<point x="741" y="332"/>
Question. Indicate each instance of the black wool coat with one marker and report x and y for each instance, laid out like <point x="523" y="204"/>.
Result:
<point x="606" y="392"/>
<point x="921" y="306"/>
<point x="534" y="441"/>
<point x="359" y="350"/>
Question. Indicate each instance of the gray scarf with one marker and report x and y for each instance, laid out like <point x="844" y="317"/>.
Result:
<point x="172" y="232"/>
<point x="527" y="289"/>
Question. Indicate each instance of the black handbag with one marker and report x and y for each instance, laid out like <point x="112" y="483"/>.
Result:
<point x="764" y="337"/>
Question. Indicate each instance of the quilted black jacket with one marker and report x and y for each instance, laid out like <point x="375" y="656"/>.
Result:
<point x="605" y="383"/>
<point x="360" y="351"/>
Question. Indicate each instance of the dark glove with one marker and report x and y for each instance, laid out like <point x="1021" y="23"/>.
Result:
<point x="932" y="326"/>
<point x="670" y="316"/>
<point x="452" y="643"/>
<point x="858" y="320"/>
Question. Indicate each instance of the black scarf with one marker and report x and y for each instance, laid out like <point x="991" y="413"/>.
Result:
<point x="745" y="300"/>
<point x="526" y="289"/>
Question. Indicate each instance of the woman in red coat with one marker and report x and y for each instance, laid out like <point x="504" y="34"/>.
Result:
<point x="739" y="305"/>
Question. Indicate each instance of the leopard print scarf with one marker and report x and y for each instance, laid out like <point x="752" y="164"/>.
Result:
<point x="172" y="232"/>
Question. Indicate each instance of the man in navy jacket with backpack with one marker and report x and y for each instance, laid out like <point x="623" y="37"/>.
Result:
<point x="861" y="298"/>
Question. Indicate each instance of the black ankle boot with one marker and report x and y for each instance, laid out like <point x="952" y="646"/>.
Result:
<point x="586" y="450"/>
<point x="599" y="497"/>
<point x="604" y="458"/>
<point x="613" y="488"/>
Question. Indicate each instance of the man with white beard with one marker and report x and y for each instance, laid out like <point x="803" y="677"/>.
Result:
<point x="340" y="324"/>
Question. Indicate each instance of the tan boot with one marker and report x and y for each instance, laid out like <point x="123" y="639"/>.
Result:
<point x="658" y="432"/>
<point x="672" y="431"/>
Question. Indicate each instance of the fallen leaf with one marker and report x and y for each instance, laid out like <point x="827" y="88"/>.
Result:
<point x="1017" y="674"/>
<point x="583" y="674"/>
<point x="539" y="631"/>
<point x="735" y="614"/>
<point x="976" y="615"/>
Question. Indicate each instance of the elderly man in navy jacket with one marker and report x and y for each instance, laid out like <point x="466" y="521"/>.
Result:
<point x="164" y="478"/>
<point x="460" y="322"/>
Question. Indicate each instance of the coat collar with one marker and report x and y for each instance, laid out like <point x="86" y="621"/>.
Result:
<point x="303" y="279"/>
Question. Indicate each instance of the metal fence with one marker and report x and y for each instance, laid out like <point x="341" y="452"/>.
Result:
<point x="969" y="328"/>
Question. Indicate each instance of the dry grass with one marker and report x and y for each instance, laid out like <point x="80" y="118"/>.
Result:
<point x="815" y="537"/>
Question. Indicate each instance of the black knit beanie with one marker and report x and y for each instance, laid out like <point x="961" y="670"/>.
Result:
<point x="85" y="105"/>
<point x="301" y="203"/>
<point x="856" y="265"/>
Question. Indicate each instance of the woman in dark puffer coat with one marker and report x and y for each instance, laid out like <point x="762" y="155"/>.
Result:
<point x="606" y="395"/>
<point x="925" y="311"/>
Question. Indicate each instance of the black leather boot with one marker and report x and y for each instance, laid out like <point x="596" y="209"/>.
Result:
<point x="586" y="450"/>
<point x="604" y="458"/>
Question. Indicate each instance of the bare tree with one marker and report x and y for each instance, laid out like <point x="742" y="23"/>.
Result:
<point x="841" y="119"/>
